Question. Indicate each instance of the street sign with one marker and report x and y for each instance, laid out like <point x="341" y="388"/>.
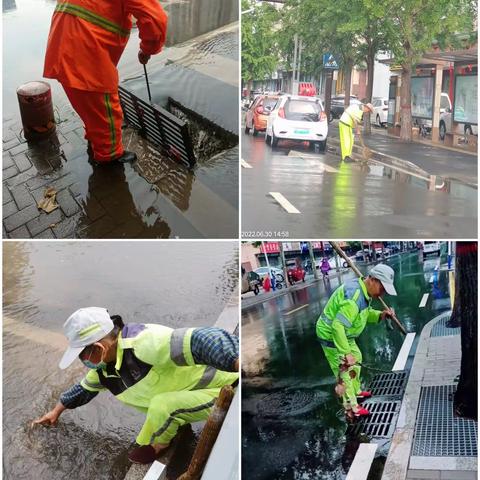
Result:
<point x="329" y="61"/>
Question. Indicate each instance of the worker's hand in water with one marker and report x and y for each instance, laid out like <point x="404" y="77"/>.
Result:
<point x="49" y="418"/>
<point x="143" y="58"/>
<point x="350" y="359"/>
<point x="387" y="313"/>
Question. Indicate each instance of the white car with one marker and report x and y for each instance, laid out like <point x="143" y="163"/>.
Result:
<point x="380" y="111"/>
<point x="430" y="248"/>
<point x="262" y="271"/>
<point x="446" y="117"/>
<point x="299" y="118"/>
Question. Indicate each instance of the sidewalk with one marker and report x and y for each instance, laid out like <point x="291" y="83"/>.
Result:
<point x="429" y="442"/>
<point x="431" y="160"/>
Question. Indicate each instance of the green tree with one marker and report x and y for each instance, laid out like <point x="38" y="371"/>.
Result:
<point x="414" y="27"/>
<point x="259" y="55"/>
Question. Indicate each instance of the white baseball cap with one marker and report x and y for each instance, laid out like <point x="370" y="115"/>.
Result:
<point x="82" y="328"/>
<point x="385" y="275"/>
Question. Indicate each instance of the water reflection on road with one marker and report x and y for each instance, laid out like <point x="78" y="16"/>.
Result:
<point x="291" y="425"/>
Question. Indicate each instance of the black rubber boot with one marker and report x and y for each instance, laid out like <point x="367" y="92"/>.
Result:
<point x="127" y="157"/>
<point x="144" y="454"/>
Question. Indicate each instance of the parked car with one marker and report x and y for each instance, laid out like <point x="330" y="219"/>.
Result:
<point x="258" y="112"/>
<point x="341" y="262"/>
<point x="251" y="282"/>
<point x="386" y="252"/>
<point x="263" y="271"/>
<point x="380" y="111"/>
<point x="298" y="118"/>
<point x="337" y="105"/>
<point x="431" y="248"/>
<point x="446" y="120"/>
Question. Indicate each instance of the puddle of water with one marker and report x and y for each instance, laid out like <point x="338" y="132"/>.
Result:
<point x="295" y="374"/>
<point x="168" y="283"/>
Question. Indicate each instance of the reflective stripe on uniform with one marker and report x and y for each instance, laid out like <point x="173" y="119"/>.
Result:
<point x="111" y="124"/>
<point x="343" y="320"/>
<point x="207" y="377"/>
<point x="171" y="418"/>
<point x="327" y="343"/>
<point x="325" y="319"/>
<point x="176" y="347"/>
<point x="91" y="17"/>
<point x="95" y="386"/>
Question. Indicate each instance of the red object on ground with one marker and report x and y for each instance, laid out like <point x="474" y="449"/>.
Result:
<point x="36" y="110"/>
<point x="102" y="115"/>
<point x="362" y="412"/>
<point x="267" y="284"/>
<point x="307" y="89"/>
<point x="364" y="395"/>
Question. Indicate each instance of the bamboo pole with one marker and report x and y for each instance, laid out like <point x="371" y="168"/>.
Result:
<point x="209" y="434"/>
<point x="337" y="248"/>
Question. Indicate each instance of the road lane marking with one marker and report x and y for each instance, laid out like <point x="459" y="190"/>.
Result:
<point x="245" y="164"/>
<point x="403" y="354"/>
<point x="362" y="462"/>
<point x="284" y="202"/>
<point x="297" y="309"/>
<point x="423" y="301"/>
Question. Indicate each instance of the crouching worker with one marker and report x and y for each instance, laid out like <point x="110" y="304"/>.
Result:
<point x="344" y="318"/>
<point x="173" y="376"/>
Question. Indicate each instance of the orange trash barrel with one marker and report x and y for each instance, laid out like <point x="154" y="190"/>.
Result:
<point x="36" y="110"/>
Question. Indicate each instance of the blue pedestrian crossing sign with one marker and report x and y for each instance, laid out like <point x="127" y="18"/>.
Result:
<point x="329" y="61"/>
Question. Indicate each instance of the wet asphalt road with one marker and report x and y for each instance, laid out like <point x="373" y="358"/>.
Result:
<point x="345" y="200"/>
<point x="291" y="428"/>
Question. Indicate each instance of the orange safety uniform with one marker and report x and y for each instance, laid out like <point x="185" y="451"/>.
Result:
<point x="86" y="41"/>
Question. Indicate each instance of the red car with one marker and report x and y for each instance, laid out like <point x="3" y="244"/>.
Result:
<point x="258" y="112"/>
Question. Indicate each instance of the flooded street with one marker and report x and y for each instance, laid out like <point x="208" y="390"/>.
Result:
<point x="198" y="68"/>
<point x="292" y="425"/>
<point x="174" y="284"/>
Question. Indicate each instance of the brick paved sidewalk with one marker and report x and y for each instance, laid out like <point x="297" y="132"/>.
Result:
<point x="28" y="170"/>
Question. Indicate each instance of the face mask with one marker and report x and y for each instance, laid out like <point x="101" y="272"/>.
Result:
<point x="94" y="366"/>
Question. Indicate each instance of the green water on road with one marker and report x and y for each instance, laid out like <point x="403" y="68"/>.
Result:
<point x="290" y="426"/>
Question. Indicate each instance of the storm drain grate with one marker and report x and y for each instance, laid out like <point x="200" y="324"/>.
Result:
<point x="159" y="126"/>
<point x="380" y="423"/>
<point x="389" y="384"/>
<point x="437" y="432"/>
<point x="440" y="329"/>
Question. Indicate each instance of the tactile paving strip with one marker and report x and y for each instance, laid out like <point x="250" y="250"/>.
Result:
<point x="440" y="329"/>
<point x="437" y="432"/>
<point x="380" y="423"/>
<point x="391" y="384"/>
<point x="159" y="126"/>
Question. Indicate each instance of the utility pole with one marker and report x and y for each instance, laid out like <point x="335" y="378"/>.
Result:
<point x="312" y="259"/>
<point x="294" y="74"/>
<point x="268" y="266"/>
<point x="284" y="266"/>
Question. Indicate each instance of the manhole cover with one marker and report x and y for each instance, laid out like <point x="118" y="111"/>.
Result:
<point x="288" y="403"/>
<point x="380" y="423"/>
<point x="389" y="384"/>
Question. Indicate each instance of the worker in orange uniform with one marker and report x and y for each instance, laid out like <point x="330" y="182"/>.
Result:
<point x="86" y="41"/>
